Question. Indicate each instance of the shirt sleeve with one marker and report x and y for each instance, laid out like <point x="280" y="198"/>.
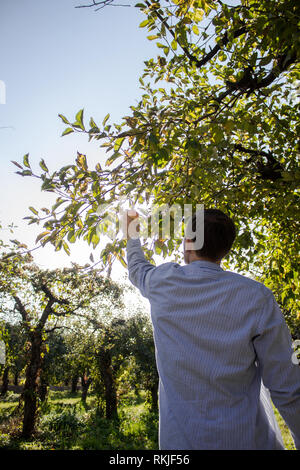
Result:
<point x="274" y="349"/>
<point x="139" y="269"/>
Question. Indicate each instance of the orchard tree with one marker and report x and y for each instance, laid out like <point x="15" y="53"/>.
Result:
<point x="53" y="363"/>
<point x="96" y="349"/>
<point x="14" y="340"/>
<point x="217" y="124"/>
<point x="142" y="348"/>
<point x="110" y="353"/>
<point x="44" y="299"/>
<point x="79" y="357"/>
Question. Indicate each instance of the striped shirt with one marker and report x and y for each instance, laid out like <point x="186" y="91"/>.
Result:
<point x="223" y="351"/>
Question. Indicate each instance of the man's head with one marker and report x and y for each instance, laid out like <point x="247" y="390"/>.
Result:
<point x="219" y="235"/>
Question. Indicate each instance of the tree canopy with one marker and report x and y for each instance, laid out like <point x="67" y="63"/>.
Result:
<point x="217" y="123"/>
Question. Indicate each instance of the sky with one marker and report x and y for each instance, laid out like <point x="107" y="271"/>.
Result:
<point x="56" y="59"/>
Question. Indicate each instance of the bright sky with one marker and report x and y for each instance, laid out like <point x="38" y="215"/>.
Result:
<point x="58" y="59"/>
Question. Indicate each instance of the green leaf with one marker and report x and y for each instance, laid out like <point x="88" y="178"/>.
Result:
<point x="64" y="119"/>
<point x="43" y="165"/>
<point x="67" y="131"/>
<point x="105" y="119"/>
<point x="79" y="116"/>
<point x="81" y="161"/>
<point x="79" y="120"/>
<point x="33" y="210"/>
<point x="144" y="23"/>
<point x="174" y="45"/>
<point x="111" y="159"/>
<point x="66" y="247"/>
<point x="93" y="124"/>
<point x="198" y="15"/>
<point x="195" y="30"/>
<point x="41" y="235"/>
<point x="121" y="259"/>
<point x="153" y="36"/>
<point x="26" y="160"/>
<point x="119" y="143"/>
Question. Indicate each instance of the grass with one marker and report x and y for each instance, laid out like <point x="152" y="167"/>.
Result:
<point x="66" y="423"/>
<point x="286" y="435"/>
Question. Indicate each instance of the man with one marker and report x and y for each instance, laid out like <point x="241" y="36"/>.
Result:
<point x="218" y="337"/>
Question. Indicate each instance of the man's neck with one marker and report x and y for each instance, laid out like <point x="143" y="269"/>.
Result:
<point x="196" y="258"/>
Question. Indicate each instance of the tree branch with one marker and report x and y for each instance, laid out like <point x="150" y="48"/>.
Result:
<point x="48" y="309"/>
<point x="102" y="4"/>
<point x="252" y="152"/>
<point x="271" y="170"/>
<point x="21" y="309"/>
<point x="52" y="297"/>
<point x="199" y="63"/>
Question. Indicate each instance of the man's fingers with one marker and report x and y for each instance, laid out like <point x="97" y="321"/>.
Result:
<point x="132" y="214"/>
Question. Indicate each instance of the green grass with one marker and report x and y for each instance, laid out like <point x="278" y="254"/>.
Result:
<point x="66" y="423"/>
<point x="286" y="435"/>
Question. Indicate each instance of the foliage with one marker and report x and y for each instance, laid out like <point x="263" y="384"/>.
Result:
<point x="142" y="349"/>
<point x="43" y="299"/>
<point x="14" y="338"/>
<point x="63" y="421"/>
<point x="217" y="123"/>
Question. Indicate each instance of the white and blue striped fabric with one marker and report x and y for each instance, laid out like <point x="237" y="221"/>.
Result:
<point x="222" y="349"/>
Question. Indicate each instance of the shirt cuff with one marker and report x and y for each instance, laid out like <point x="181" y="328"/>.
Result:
<point x="133" y="243"/>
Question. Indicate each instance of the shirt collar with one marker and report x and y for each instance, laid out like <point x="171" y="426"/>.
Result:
<point x="207" y="264"/>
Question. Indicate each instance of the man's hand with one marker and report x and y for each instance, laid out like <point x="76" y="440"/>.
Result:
<point x="132" y="224"/>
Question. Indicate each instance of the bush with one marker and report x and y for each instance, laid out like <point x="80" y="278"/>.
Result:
<point x="10" y="397"/>
<point x="65" y="421"/>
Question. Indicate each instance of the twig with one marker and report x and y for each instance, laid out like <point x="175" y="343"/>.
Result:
<point x="103" y="4"/>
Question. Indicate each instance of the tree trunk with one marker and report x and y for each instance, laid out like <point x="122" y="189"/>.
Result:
<point x="154" y="398"/>
<point x="5" y="381"/>
<point x="109" y="385"/>
<point x="16" y="378"/>
<point x="85" y="383"/>
<point x="43" y="388"/>
<point x="29" y="394"/>
<point x="74" y="384"/>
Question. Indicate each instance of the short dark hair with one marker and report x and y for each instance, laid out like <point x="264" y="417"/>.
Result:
<point x="219" y="234"/>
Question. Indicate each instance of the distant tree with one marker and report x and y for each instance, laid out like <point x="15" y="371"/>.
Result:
<point x="142" y="348"/>
<point x="15" y="339"/>
<point x="43" y="299"/>
<point x="52" y="363"/>
<point x="80" y="355"/>
<point x="109" y="354"/>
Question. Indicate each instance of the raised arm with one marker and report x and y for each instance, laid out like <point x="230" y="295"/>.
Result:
<point x="139" y="269"/>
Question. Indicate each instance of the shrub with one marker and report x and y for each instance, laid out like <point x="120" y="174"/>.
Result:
<point x="65" y="421"/>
